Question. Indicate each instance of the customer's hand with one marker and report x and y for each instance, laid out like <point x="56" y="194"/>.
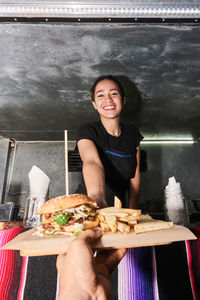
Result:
<point x="81" y="275"/>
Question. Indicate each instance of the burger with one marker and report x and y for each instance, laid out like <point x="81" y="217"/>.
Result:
<point x="67" y="215"/>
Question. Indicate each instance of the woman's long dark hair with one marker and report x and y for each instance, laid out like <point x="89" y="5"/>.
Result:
<point x="107" y="77"/>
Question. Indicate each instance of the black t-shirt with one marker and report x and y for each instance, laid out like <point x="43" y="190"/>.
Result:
<point x="118" y="155"/>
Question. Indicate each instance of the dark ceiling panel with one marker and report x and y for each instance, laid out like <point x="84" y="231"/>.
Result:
<point x="47" y="71"/>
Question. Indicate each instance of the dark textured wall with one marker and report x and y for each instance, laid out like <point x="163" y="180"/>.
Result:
<point x="47" y="70"/>
<point x="46" y="73"/>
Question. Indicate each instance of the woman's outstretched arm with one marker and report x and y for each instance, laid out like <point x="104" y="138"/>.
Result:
<point x="93" y="171"/>
<point x="134" y="189"/>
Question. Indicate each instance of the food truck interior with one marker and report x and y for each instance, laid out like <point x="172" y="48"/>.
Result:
<point x="49" y="61"/>
<point x="50" y="54"/>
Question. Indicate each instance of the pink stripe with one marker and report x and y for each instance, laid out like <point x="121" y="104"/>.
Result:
<point x="23" y="278"/>
<point x="7" y="261"/>
<point x="192" y="280"/>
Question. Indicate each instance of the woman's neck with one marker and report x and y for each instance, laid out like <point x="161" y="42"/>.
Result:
<point x="112" y="126"/>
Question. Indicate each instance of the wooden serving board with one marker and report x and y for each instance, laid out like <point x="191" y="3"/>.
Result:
<point x="32" y="245"/>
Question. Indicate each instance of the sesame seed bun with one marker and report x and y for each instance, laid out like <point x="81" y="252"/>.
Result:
<point x="64" y="202"/>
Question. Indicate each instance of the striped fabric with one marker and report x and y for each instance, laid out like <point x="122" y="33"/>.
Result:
<point x="167" y="272"/>
<point x="10" y="265"/>
<point x="39" y="278"/>
<point x="137" y="275"/>
<point x="193" y="253"/>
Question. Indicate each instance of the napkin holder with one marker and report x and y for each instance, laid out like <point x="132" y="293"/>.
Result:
<point x="6" y="212"/>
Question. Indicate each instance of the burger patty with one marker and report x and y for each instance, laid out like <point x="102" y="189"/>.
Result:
<point x="73" y="220"/>
<point x="80" y="220"/>
<point x="70" y="222"/>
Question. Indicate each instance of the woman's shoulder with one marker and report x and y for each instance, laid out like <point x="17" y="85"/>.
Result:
<point x="88" y="131"/>
<point x="89" y="125"/>
<point x="132" y="132"/>
<point x="130" y="127"/>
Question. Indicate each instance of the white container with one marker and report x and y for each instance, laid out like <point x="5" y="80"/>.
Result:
<point x="175" y="206"/>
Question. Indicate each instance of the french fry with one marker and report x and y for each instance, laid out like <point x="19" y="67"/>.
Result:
<point x="110" y="208"/>
<point x="121" y="219"/>
<point x="117" y="202"/>
<point x="132" y="223"/>
<point x="112" y="222"/>
<point x="101" y="218"/>
<point x="105" y="227"/>
<point x="129" y="211"/>
<point x="122" y="227"/>
<point x="141" y="218"/>
<point x="144" y="218"/>
<point x="119" y="214"/>
<point x="151" y="226"/>
<point x="128" y="218"/>
<point x="133" y="212"/>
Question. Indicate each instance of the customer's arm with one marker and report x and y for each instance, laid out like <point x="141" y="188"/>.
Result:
<point x="81" y="275"/>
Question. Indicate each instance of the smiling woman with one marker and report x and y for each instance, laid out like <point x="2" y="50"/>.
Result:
<point x="108" y="101"/>
<point x="109" y="149"/>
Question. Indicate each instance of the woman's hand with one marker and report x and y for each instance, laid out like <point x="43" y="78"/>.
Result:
<point x="81" y="275"/>
<point x="100" y="202"/>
